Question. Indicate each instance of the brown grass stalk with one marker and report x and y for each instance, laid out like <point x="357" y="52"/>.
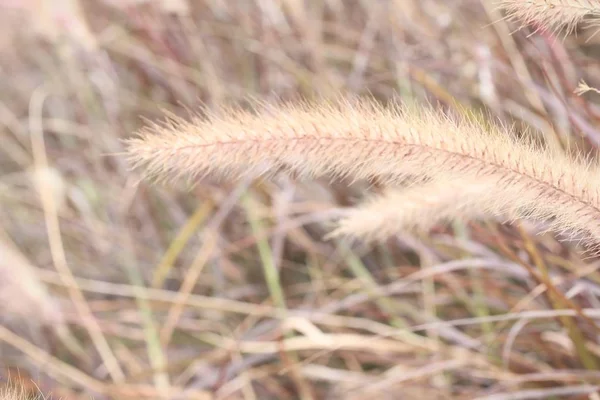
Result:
<point x="361" y="140"/>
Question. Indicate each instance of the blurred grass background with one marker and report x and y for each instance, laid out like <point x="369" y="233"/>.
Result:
<point x="116" y="289"/>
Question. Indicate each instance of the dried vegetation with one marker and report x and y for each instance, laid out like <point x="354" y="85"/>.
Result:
<point x="227" y="290"/>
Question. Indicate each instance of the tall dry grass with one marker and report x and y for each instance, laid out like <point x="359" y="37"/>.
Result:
<point x="228" y="290"/>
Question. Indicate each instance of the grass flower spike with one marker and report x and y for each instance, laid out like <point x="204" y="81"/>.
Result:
<point x="552" y="14"/>
<point x="420" y="207"/>
<point x="362" y="140"/>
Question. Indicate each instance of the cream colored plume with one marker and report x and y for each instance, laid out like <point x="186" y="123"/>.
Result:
<point x="13" y="392"/>
<point x="362" y="140"/>
<point x="420" y="207"/>
<point x="552" y="14"/>
<point x="443" y="200"/>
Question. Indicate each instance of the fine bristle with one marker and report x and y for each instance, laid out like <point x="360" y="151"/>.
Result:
<point x="554" y="15"/>
<point x="12" y="392"/>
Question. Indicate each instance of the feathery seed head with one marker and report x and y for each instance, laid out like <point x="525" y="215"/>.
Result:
<point x="490" y="172"/>
<point x="552" y="14"/>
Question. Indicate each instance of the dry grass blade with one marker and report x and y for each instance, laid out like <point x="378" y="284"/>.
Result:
<point x="552" y="14"/>
<point x="53" y="230"/>
<point x="361" y="140"/>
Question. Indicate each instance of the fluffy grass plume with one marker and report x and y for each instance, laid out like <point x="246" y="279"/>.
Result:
<point x="420" y="207"/>
<point x="362" y="140"/>
<point x="13" y="392"/>
<point x="552" y="14"/>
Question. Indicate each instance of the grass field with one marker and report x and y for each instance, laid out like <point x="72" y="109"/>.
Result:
<point x="116" y="288"/>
